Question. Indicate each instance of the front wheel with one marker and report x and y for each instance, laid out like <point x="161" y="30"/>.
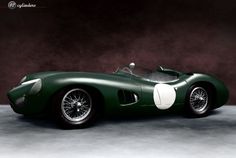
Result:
<point x="198" y="101"/>
<point x="74" y="108"/>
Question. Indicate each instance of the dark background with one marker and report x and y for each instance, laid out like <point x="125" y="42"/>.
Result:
<point x="187" y="35"/>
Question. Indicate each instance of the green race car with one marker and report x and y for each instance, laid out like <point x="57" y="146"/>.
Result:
<point x="76" y="98"/>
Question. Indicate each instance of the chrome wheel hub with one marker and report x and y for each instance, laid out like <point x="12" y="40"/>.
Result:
<point x="76" y="105"/>
<point x="199" y="100"/>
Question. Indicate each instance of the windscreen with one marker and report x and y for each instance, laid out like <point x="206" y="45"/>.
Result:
<point x="157" y="76"/>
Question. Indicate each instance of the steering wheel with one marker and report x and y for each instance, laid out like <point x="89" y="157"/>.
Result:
<point x="126" y="69"/>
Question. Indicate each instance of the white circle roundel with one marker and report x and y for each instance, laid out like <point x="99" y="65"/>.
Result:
<point x="164" y="96"/>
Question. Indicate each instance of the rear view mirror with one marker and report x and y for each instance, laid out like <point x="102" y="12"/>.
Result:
<point x="161" y="68"/>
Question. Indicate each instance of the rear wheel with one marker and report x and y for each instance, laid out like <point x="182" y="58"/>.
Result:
<point x="198" y="101"/>
<point x="74" y="108"/>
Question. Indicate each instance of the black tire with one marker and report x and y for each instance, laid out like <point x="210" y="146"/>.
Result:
<point x="198" y="101"/>
<point x="74" y="108"/>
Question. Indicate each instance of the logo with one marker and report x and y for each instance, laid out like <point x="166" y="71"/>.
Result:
<point x="12" y="5"/>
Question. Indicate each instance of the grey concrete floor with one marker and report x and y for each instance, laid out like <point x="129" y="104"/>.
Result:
<point x="160" y="136"/>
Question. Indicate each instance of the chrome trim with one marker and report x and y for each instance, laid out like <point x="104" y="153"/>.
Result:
<point x="23" y="79"/>
<point x="135" y="98"/>
<point x="30" y="81"/>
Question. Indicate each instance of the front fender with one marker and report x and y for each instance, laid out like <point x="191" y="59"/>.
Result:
<point x="221" y="92"/>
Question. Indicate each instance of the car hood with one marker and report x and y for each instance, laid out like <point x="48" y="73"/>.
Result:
<point x="40" y="75"/>
<point x="61" y="74"/>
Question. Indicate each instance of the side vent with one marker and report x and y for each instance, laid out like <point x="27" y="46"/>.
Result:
<point x="127" y="97"/>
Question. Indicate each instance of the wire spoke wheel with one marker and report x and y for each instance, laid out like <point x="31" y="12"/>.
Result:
<point x="199" y="100"/>
<point x="76" y="105"/>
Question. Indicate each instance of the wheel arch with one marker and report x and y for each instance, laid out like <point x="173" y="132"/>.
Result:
<point x="93" y="91"/>
<point x="209" y="87"/>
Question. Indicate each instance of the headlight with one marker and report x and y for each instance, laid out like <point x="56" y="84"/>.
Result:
<point x="36" y="87"/>
<point x="31" y="81"/>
